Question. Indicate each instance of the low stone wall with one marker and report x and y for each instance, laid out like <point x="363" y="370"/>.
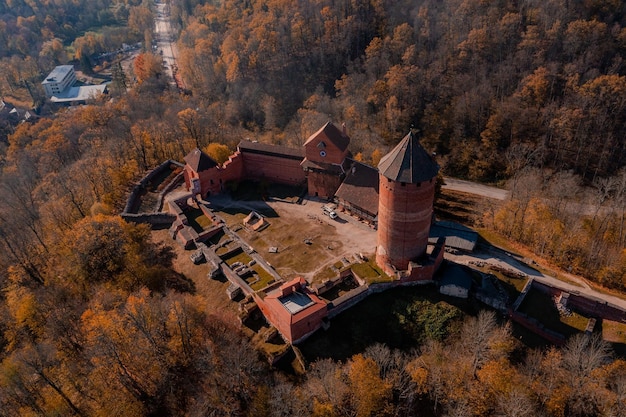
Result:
<point x="537" y="327"/>
<point x="178" y="179"/>
<point x="131" y="203"/>
<point x="596" y="308"/>
<point x="347" y="300"/>
<point x="154" y="219"/>
<point x="586" y="305"/>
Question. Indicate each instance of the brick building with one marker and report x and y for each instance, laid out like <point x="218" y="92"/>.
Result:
<point x="293" y="309"/>
<point x="407" y="177"/>
<point x="325" y="153"/>
<point x="397" y="197"/>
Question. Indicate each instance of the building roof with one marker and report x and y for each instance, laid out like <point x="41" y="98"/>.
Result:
<point x="82" y="93"/>
<point x="199" y="161"/>
<point x="57" y="74"/>
<point x="296" y="302"/>
<point x="271" y="150"/>
<point x="360" y="187"/>
<point x="408" y="162"/>
<point x="457" y="236"/>
<point x="330" y="133"/>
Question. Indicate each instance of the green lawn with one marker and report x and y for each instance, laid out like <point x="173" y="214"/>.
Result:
<point x="265" y="278"/>
<point x="197" y="219"/>
<point x="325" y="273"/>
<point x="371" y="272"/>
<point x="242" y="257"/>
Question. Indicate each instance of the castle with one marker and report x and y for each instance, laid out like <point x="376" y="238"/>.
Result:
<point x="396" y="198"/>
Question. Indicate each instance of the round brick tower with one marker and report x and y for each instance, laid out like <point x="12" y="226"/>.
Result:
<point x="405" y="204"/>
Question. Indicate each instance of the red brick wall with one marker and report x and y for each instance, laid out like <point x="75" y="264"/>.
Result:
<point x="309" y="323"/>
<point x="272" y="168"/>
<point x="303" y="324"/>
<point x="404" y="217"/>
<point x="334" y="155"/>
<point x="322" y="185"/>
<point x="233" y="169"/>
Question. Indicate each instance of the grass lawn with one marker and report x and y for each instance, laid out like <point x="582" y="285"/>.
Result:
<point x="615" y="333"/>
<point x="265" y="278"/>
<point x="233" y="219"/>
<point x="371" y="272"/>
<point x="323" y="274"/>
<point x="242" y="257"/>
<point x="294" y="256"/>
<point x="197" y="219"/>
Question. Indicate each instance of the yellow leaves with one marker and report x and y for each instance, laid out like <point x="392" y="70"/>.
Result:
<point x="375" y="157"/>
<point x="233" y="73"/>
<point x="146" y="65"/>
<point x="555" y="404"/>
<point x="24" y="309"/>
<point x="499" y="376"/>
<point x="218" y="152"/>
<point x="535" y="87"/>
<point x="419" y="375"/>
<point x="323" y="409"/>
<point x="371" y="392"/>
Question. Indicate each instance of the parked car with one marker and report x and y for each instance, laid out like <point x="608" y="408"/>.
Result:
<point x="329" y="210"/>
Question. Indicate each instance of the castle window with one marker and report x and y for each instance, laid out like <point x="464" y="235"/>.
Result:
<point x="403" y="184"/>
<point x="419" y="184"/>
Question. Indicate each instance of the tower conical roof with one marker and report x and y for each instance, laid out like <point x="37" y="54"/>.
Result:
<point x="408" y="162"/>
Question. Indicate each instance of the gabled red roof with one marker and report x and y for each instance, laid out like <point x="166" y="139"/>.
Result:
<point x="329" y="133"/>
<point x="199" y="161"/>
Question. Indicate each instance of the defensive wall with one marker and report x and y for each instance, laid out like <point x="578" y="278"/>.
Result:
<point x="133" y="202"/>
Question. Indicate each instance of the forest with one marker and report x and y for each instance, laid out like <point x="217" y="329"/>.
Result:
<point x="93" y="318"/>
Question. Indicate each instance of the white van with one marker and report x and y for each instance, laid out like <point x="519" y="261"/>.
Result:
<point x="329" y="209"/>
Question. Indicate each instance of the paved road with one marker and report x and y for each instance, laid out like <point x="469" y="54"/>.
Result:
<point x="475" y="188"/>
<point x="164" y="38"/>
